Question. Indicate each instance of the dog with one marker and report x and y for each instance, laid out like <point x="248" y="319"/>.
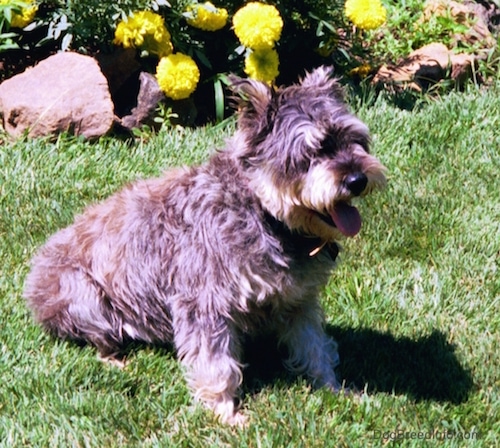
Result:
<point x="204" y="256"/>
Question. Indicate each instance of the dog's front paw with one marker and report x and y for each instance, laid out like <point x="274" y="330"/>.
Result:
<point x="237" y="419"/>
<point x="347" y="390"/>
<point x="113" y="360"/>
<point x="227" y="414"/>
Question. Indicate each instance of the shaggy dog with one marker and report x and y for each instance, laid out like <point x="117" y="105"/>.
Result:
<point x="205" y="255"/>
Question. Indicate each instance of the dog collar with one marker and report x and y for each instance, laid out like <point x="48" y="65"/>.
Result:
<point x="332" y="249"/>
<point x="304" y="244"/>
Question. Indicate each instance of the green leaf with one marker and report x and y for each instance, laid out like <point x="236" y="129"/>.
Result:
<point x="219" y="100"/>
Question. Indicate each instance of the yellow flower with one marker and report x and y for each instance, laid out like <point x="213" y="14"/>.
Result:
<point x="144" y="30"/>
<point x="177" y="75"/>
<point x="361" y="71"/>
<point x="258" y="26"/>
<point x="365" y="14"/>
<point x="206" y="16"/>
<point x="25" y="18"/>
<point x="262" y="65"/>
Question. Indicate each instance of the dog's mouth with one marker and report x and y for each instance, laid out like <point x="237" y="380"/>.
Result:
<point x="345" y="217"/>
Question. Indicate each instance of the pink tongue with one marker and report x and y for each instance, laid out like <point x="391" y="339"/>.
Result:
<point x="346" y="218"/>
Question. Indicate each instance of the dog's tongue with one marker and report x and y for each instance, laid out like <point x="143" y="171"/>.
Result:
<point x="346" y="218"/>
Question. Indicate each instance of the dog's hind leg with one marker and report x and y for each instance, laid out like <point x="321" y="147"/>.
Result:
<point x="67" y="302"/>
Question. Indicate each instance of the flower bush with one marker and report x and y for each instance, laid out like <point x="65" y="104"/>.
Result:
<point x="191" y="45"/>
<point x="256" y="25"/>
<point x="257" y="39"/>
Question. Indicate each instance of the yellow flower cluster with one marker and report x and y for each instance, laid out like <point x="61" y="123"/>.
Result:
<point x="258" y="26"/>
<point x="177" y="75"/>
<point x="262" y="65"/>
<point x="365" y="14"/>
<point x="25" y="18"/>
<point x="144" y="30"/>
<point x="206" y="16"/>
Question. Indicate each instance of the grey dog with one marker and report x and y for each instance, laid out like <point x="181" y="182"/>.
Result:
<point x="240" y="245"/>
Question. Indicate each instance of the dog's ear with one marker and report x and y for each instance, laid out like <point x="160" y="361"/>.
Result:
<point x="322" y="78"/>
<point x="251" y="97"/>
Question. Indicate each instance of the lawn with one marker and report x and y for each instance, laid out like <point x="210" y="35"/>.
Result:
<point x="414" y="304"/>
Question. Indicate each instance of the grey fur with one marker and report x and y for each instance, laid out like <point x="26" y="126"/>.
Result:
<point x="205" y="254"/>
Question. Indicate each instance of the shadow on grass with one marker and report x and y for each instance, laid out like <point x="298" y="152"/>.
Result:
<point x="424" y="369"/>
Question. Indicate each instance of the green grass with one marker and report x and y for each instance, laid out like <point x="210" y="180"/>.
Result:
<point x="414" y="304"/>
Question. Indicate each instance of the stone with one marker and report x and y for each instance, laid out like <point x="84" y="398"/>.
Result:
<point x="424" y="67"/>
<point x="466" y="14"/>
<point x="66" y="92"/>
<point x="434" y="62"/>
<point x="148" y="99"/>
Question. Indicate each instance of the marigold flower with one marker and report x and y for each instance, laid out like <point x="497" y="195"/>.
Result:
<point x="177" y="75"/>
<point x="144" y="30"/>
<point x="206" y="16"/>
<point x="25" y="18"/>
<point x="262" y="65"/>
<point x="258" y="26"/>
<point x="365" y="14"/>
<point x="362" y="71"/>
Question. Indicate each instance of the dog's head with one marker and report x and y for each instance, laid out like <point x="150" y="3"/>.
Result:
<point x="306" y="155"/>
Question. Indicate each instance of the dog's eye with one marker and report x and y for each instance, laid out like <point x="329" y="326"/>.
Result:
<point x="333" y="143"/>
<point x="329" y="146"/>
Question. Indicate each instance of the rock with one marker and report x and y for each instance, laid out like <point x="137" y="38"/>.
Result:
<point x="426" y="66"/>
<point x="467" y="14"/>
<point x="434" y="62"/>
<point x="66" y="92"/>
<point x="148" y="98"/>
<point x="488" y="11"/>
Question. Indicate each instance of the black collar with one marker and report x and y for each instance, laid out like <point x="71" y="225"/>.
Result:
<point x="303" y="245"/>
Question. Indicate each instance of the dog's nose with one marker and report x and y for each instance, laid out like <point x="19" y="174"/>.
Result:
<point x="356" y="183"/>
